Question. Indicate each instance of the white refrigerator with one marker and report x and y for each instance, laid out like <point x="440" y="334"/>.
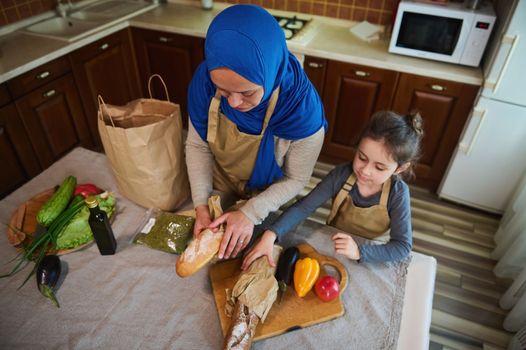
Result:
<point x="490" y="159"/>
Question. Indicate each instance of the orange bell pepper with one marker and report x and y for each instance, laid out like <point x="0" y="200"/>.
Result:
<point x="306" y="273"/>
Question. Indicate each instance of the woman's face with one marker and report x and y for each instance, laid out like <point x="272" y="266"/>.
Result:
<point x="241" y="94"/>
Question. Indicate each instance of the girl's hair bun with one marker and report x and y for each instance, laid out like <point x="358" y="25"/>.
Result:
<point x="414" y="119"/>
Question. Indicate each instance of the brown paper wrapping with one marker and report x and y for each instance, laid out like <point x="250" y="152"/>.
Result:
<point x="256" y="287"/>
<point x="143" y="141"/>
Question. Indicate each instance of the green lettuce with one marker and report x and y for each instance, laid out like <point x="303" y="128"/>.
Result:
<point x="77" y="232"/>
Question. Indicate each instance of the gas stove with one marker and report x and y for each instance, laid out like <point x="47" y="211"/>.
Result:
<point x="291" y="25"/>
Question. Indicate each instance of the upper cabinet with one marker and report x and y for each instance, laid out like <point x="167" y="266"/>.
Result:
<point x="105" y="67"/>
<point x="352" y="93"/>
<point x="444" y="106"/>
<point x="174" y="57"/>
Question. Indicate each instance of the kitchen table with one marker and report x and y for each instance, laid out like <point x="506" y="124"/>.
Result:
<point x="134" y="299"/>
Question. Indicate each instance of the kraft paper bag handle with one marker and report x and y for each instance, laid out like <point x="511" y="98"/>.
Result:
<point x="162" y="81"/>
<point x="101" y="102"/>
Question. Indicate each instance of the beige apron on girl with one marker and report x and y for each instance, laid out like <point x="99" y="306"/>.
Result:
<point x="235" y="152"/>
<point x="372" y="222"/>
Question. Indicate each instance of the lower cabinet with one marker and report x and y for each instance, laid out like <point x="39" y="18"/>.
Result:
<point x="105" y="67"/>
<point x="54" y="120"/>
<point x="19" y="161"/>
<point x="174" y="57"/>
<point x="352" y="93"/>
<point x="444" y="106"/>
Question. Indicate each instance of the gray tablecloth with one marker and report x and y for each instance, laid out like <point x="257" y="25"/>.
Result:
<point x="134" y="299"/>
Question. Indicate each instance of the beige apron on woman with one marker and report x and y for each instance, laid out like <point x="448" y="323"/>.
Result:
<point x="235" y="152"/>
<point x="372" y="222"/>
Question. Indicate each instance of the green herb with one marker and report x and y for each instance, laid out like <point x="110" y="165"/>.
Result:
<point x="170" y="233"/>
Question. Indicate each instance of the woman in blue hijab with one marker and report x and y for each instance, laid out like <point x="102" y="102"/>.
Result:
<point x="256" y="123"/>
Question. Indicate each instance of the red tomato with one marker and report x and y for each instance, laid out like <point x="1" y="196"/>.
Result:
<point x="327" y="288"/>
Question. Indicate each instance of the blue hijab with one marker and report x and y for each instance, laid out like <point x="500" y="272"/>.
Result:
<point x="249" y="41"/>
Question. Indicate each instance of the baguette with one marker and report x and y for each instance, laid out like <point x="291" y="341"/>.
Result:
<point x="242" y="328"/>
<point x="198" y="253"/>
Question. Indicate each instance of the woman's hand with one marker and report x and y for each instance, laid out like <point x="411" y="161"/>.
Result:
<point x="238" y="232"/>
<point x="345" y="245"/>
<point x="202" y="219"/>
<point x="264" y="247"/>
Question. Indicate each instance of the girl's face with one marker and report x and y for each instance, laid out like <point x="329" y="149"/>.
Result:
<point x="373" y="164"/>
<point x="240" y="93"/>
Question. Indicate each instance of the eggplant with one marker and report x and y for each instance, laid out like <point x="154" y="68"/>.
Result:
<point x="48" y="273"/>
<point x="285" y="269"/>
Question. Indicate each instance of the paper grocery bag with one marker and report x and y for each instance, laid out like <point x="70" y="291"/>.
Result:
<point x="143" y="141"/>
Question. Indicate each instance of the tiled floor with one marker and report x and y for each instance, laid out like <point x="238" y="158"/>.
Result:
<point x="466" y="313"/>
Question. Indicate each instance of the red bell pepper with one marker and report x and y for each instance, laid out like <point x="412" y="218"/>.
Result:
<point x="86" y="190"/>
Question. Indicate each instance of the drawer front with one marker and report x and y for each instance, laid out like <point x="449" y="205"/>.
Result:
<point x="38" y="77"/>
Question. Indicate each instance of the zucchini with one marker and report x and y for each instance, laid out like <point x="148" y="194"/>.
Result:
<point x="57" y="203"/>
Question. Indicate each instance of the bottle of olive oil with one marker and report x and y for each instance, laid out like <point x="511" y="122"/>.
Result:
<point x="101" y="228"/>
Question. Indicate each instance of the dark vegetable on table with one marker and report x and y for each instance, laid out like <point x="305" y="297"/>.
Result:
<point x="48" y="273"/>
<point x="285" y="269"/>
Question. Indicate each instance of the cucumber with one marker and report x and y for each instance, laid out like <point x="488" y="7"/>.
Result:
<point x="57" y="203"/>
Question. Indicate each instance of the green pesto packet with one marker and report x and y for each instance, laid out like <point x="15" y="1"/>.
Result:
<point x="165" y="231"/>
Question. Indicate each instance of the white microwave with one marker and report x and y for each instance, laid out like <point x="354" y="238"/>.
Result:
<point x="449" y="32"/>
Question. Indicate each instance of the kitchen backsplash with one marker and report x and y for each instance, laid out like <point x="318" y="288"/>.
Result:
<point x="375" y="11"/>
<point x="16" y="10"/>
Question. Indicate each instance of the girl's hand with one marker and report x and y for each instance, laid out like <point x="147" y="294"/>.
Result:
<point x="263" y="247"/>
<point x="238" y="232"/>
<point x="202" y="219"/>
<point x="346" y="246"/>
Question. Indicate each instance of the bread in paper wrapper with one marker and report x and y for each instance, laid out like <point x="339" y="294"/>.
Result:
<point x="250" y="301"/>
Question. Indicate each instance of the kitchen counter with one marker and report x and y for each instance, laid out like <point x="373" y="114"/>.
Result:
<point x="331" y="39"/>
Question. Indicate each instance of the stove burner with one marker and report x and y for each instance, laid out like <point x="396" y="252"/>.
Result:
<point x="291" y="25"/>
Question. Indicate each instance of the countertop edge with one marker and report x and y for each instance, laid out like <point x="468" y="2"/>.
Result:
<point x="474" y="78"/>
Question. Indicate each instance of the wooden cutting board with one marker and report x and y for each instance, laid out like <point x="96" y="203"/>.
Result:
<point x="293" y="312"/>
<point x="23" y="223"/>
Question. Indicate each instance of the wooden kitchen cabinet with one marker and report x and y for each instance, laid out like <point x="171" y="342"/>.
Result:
<point x="19" y="161"/>
<point x="105" y="67"/>
<point x="351" y="94"/>
<point x="444" y="106"/>
<point x="54" y="120"/>
<point x="173" y="56"/>
<point x="316" y="69"/>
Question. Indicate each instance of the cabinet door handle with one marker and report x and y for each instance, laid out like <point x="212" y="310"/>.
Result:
<point x="361" y="73"/>
<point x="437" y="87"/>
<point x="49" y="93"/>
<point x="165" y="39"/>
<point x="43" y="75"/>
<point x="468" y="148"/>
<point x="315" y="65"/>
<point x="104" y="46"/>
<point x="1" y="131"/>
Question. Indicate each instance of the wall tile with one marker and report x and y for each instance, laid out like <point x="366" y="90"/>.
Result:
<point x="374" y="11"/>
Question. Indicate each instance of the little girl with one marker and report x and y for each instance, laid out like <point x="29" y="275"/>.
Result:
<point x="369" y="197"/>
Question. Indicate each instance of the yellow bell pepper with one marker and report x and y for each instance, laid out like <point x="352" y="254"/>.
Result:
<point x="306" y="273"/>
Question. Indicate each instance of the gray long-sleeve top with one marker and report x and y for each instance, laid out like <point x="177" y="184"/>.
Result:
<point x="296" y="158"/>
<point x="398" y="207"/>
